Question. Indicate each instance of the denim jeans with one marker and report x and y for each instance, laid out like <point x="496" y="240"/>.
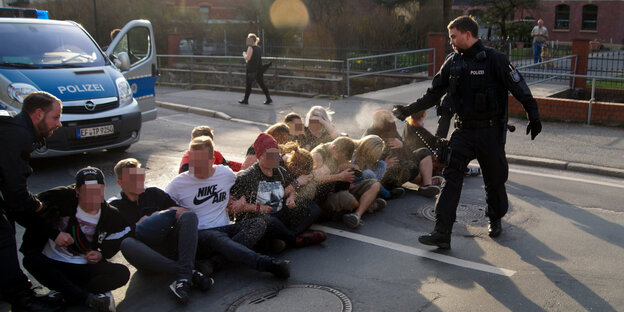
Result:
<point x="233" y="242"/>
<point x="176" y="255"/>
<point x="537" y="51"/>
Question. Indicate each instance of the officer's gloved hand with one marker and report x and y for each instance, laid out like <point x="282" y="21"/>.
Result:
<point x="400" y="111"/>
<point x="534" y="127"/>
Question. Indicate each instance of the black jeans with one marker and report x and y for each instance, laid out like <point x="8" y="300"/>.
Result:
<point x="12" y="278"/>
<point x="76" y="281"/>
<point x="234" y="242"/>
<point x="487" y="145"/>
<point x="258" y="77"/>
<point x="176" y="255"/>
<point x="287" y="223"/>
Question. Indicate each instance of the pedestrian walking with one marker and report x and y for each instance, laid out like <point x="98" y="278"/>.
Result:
<point x="478" y="79"/>
<point x="255" y="69"/>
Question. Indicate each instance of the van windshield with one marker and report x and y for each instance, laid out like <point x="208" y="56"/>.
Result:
<point x="47" y="46"/>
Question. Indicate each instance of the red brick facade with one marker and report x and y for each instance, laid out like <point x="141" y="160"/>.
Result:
<point x="219" y="10"/>
<point x="610" y="20"/>
<point x="573" y="110"/>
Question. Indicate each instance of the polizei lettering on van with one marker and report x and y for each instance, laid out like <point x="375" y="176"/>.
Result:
<point x="90" y="87"/>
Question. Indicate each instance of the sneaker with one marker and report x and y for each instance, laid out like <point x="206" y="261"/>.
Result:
<point x="308" y="238"/>
<point x="442" y="240"/>
<point x="181" y="289"/>
<point x="377" y="205"/>
<point x="268" y="101"/>
<point x="201" y="281"/>
<point x="472" y="171"/>
<point x="243" y="102"/>
<point x="101" y="302"/>
<point x="27" y="301"/>
<point x="429" y="190"/>
<point x="352" y="220"/>
<point x="396" y="192"/>
<point x="278" y="267"/>
<point x="438" y="181"/>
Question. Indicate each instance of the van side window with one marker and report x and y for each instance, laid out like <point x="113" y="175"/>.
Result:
<point x="136" y="43"/>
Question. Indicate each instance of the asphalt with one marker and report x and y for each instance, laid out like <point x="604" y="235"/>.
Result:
<point x="564" y="146"/>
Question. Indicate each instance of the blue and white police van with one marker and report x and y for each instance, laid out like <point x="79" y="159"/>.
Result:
<point x="106" y="94"/>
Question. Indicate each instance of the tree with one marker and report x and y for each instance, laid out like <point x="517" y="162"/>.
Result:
<point x="498" y="12"/>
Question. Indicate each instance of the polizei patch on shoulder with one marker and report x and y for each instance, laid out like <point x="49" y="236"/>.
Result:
<point x="513" y="72"/>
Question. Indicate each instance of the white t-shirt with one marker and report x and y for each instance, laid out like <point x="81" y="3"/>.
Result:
<point x="87" y="223"/>
<point x="208" y="198"/>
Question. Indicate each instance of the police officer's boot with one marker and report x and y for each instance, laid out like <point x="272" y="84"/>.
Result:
<point x="27" y="301"/>
<point x="495" y="228"/>
<point x="442" y="240"/>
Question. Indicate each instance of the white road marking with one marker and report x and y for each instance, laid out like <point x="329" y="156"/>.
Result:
<point x="587" y="181"/>
<point x="415" y="251"/>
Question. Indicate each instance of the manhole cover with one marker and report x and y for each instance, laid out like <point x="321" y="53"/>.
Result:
<point x="295" y="297"/>
<point x="469" y="214"/>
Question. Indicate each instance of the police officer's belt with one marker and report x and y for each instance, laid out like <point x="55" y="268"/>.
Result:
<point x="477" y="124"/>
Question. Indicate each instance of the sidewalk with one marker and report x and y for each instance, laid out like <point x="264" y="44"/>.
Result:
<point x="564" y="146"/>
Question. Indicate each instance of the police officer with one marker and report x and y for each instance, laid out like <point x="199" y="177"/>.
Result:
<point x="19" y="136"/>
<point x="477" y="79"/>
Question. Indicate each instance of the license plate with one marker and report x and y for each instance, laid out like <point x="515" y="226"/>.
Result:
<point x="95" y="131"/>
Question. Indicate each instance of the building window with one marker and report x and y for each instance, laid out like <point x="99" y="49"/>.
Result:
<point x="562" y="16"/>
<point x="204" y="13"/>
<point x="590" y="17"/>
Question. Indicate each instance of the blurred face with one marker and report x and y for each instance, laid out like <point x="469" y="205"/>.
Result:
<point x="90" y="196"/>
<point x="540" y="23"/>
<point x="270" y="159"/>
<point x="295" y="126"/>
<point x="200" y="163"/>
<point x="132" y="180"/>
<point x="314" y="125"/>
<point x="459" y="40"/>
<point x="48" y="121"/>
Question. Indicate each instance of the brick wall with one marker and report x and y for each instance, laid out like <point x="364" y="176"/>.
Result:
<point x="574" y="110"/>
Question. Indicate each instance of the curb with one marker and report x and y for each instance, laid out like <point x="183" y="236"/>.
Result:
<point x="512" y="159"/>
<point x="565" y="165"/>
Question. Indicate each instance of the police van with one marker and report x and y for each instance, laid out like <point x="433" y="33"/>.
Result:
<point x="106" y="94"/>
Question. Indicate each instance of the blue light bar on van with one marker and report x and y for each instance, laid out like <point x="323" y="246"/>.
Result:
<point x="24" y="13"/>
<point x="42" y="14"/>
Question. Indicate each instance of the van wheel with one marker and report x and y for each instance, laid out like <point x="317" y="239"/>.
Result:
<point x="119" y="149"/>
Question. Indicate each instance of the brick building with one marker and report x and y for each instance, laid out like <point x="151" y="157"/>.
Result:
<point x="219" y="11"/>
<point x="566" y="20"/>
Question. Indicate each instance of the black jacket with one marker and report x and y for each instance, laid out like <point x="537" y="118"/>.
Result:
<point x="485" y="76"/>
<point x="18" y="139"/>
<point x="62" y="202"/>
<point x="151" y="200"/>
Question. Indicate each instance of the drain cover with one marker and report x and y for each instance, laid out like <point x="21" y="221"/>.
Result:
<point x="295" y="297"/>
<point x="469" y="214"/>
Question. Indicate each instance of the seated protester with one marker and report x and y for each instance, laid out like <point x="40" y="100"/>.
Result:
<point x="295" y="125"/>
<point x="367" y="156"/>
<point x="205" y="190"/>
<point x="267" y="190"/>
<point x="69" y="257"/>
<point x="336" y="193"/>
<point x="418" y="161"/>
<point x="171" y="252"/>
<point x="279" y="131"/>
<point x="318" y="128"/>
<point x="218" y="158"/>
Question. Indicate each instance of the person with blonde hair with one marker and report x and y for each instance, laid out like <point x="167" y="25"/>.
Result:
<point x="254" y="69"/>
<point x="318" y="128"/>
<point x="369" y="157"/>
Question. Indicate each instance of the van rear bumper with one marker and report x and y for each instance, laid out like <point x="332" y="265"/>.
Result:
<point x="66" y="141"/>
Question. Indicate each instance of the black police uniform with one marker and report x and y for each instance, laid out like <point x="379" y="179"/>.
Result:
<point x="477" y="81"/>
<point x="18" y="139"/>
